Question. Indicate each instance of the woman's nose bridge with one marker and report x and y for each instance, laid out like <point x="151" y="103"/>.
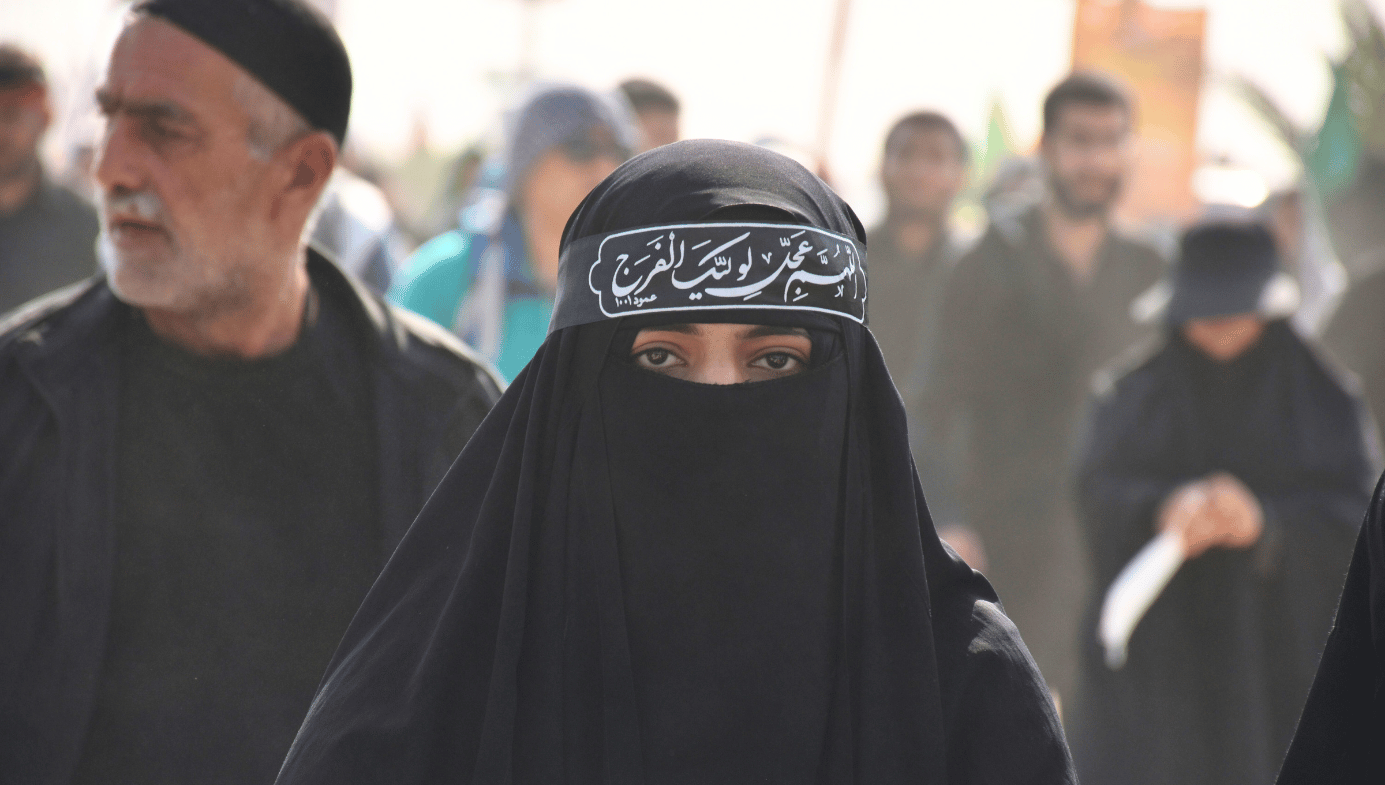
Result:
<point x="721" y="365"/>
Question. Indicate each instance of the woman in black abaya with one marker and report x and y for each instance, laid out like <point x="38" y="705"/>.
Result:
<point x="631" y="576"/>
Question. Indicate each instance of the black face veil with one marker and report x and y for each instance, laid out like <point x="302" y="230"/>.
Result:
<point x="629" y="578"/>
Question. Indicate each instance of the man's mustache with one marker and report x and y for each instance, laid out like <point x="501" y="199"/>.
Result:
<point x="145" y="205"/>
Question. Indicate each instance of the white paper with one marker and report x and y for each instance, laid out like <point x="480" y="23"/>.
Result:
<point x="1134" y="590"/>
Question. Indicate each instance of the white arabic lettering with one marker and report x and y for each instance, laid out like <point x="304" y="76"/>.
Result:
<point x="721" y="266"/>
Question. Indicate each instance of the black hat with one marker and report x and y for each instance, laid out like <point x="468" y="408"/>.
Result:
<point x="287" y="45"/>
<point x="1224" y="268"/>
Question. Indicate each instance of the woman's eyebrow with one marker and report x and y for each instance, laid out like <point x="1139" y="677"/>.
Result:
<point x="686" y="329"/>
<point x="766" y="330"/>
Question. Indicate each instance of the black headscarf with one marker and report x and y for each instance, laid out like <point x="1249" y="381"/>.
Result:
<point x="629" y="578"/>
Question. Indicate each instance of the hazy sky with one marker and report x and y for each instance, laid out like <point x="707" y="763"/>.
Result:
<point x="752" y="68"/>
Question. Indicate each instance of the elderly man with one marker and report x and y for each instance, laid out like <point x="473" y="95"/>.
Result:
<point x="206" y="455"/>
<point x="47" y="233"/>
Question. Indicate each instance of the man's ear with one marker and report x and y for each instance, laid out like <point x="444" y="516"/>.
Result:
<point x="310" y="160"/>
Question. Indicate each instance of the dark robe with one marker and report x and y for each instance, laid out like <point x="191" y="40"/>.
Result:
<point x="80" y="583"/>
<point x="1019" y="341"/>
<point x="1220" y="664"/>
<point x="1356" y="336"/>
<point x="629" y="578"/>
<point x="1343" y="723"/>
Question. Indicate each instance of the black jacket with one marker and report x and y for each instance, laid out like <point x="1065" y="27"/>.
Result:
<point x="59" y="391"/>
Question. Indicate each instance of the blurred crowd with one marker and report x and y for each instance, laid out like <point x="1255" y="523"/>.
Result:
<point x="1075" y="391"/>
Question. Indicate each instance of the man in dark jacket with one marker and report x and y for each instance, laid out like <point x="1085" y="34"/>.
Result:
<point x="1236" y="439"/>
<point x="1030" y="313"/>
<point x="207" y="454"/>
<point x="923" y="167"/>
<point x="912" y="250"/>
<point x="47" y="233"/>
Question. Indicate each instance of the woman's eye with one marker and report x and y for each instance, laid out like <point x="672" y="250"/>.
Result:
<point x="779" y="361"/>
<point x="655" y="358"/>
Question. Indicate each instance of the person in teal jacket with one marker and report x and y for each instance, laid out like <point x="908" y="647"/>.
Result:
<point x="492" y="279"/>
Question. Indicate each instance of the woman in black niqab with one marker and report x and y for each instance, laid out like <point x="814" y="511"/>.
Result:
<point x="632" y="578"/>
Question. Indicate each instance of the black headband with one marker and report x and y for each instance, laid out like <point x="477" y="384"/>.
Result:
<point x="286" y="44"/>
<point x="710" y="266"/>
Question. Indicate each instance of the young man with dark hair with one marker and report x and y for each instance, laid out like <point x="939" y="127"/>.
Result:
<point x="47" y="233"/>
<point x="1083" y="88"/>
<point x="923" y="166"/>
<point x="656" y="109"/>
<point x="1029" y="314"/>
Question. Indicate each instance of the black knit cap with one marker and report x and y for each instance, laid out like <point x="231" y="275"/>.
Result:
<point x="286" y="44"/>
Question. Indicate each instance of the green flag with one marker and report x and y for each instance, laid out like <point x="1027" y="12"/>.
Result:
<point x="1334" y="151"/>
<point x="998" y="145"/>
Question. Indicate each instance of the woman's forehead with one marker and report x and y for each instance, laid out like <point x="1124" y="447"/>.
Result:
<point x="745" y="331"/>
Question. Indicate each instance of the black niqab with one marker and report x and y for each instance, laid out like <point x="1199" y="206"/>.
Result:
<point x="629" y="578"/>
<point x="730" y="608"/>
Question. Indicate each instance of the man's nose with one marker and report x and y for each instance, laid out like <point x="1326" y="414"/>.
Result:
<point x="116" y="166"/>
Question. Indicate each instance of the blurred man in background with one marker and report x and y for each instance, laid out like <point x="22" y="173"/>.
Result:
<point x="922" y="168"/>
<point x="656" y="111"/>
<point x="1234" y="436"/>
<point x="206" y="455"/>
<point x="492" y="281"/>
<point x="47" y="233"/>
<point x="1029" y="314"/>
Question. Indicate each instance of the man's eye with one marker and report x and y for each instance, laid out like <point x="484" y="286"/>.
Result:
<point x="157" y="130"/>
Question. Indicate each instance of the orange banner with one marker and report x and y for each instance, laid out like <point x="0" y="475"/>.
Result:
<point x="1158" y="53"/>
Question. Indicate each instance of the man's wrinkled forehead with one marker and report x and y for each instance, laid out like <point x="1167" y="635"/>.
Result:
<point x="156" y="62"/>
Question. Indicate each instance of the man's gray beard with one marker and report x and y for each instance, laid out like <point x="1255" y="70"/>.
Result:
<point x="143" y="204"/>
